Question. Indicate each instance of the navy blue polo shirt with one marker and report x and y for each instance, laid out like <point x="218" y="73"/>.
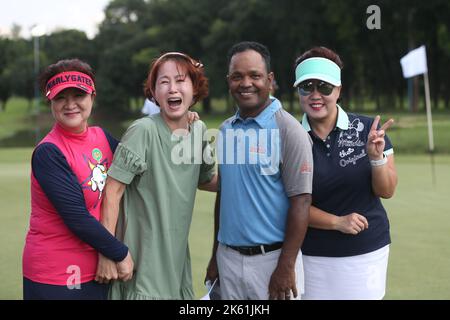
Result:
<point x="342" y="184"/>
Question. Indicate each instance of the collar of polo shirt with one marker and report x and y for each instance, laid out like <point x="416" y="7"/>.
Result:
<point x="342" y="120"/>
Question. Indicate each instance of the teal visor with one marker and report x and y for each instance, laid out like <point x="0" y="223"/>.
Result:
<point x="320" y="69"/>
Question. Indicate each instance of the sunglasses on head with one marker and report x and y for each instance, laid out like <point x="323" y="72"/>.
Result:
<point x="185" y="56"/>
<point x="307" y="87"/>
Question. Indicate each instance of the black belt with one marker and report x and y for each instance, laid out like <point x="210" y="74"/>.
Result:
<point x="254" y="250"/>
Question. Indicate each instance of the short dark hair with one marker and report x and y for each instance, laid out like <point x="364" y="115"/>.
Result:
<point x="250" y="45"/>
<point x="63" y="66"/>
<point x="321" y="52"/>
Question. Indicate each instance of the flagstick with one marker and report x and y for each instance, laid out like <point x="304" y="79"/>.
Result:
<point x="428" y="105"/>
<point x="430" y="125"/>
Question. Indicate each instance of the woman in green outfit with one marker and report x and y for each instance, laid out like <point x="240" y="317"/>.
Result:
<point x="156" y="171"/>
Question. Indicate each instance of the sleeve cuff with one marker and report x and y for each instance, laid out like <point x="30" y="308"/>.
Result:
<point x="388" y="152"/>
<point x="120" y="175"/>
<point x="126" y="165"/>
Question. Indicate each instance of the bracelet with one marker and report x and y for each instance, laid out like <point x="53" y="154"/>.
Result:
<point x="378" y="163"/>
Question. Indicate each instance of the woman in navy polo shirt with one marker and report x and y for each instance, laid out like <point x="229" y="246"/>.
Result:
<point x="346" y="249"/>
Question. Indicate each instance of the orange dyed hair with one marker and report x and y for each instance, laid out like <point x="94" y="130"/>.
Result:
<point x="194" y="70"/>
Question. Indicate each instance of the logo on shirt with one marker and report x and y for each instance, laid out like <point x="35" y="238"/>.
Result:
<point x="306" y="168"/>
<point x="97" y="154"/>
<point x="258" y="149"/>
<point x="97" y="178"/>
<point x="344" y="162"/>
<point x="350" y="142"/>
<point x="350" y="137"/>
<point x="343" y="153"/>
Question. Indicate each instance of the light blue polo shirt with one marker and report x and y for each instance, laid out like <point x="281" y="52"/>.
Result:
<point x="262" y="162"/>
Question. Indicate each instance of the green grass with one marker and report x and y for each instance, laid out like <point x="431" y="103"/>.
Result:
<point x="15" y="118"/>
<point x="14" y="216"/>
<point x="420" y="253"/>
<point x="409" y="134"/>
<point x="420" y="228"/>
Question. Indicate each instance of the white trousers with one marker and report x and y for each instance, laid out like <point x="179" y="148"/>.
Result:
<point x="247" y="277"/>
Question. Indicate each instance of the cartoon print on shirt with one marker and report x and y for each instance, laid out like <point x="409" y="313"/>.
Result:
<point x="350" y="137"/>
<point x="97" y="179"/>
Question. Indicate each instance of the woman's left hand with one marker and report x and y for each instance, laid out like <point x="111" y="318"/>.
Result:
<point x="193" y="116"/>
<point x="125" y="268"/>
<point x="375" y="140"/>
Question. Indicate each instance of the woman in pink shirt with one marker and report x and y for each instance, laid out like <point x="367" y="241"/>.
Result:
<point x="69" y="170"/>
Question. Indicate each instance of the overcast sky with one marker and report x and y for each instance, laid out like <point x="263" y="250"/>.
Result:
<point x="69" y="14"/>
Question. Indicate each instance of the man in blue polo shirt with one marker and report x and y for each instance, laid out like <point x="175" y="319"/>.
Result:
<point x="265" y="167"/>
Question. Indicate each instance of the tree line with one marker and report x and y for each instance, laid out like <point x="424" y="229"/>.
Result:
<point x="134" y="32"/>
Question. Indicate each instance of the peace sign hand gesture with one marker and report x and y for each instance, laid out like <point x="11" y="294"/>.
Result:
<point x="375" y="140"/>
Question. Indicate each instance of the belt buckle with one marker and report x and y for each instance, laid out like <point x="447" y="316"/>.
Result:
<point x="263" y="252"/>
<point x="252" y="251"/>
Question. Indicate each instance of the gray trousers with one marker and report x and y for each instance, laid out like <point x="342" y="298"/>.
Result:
<point x="247" y="277"/>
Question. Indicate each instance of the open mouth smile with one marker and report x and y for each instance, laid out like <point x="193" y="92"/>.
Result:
<point x="174" y="102"/>
<point x="316" y="106"/>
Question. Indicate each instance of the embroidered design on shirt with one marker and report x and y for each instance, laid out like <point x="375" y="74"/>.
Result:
<point x="350" y="137"/>
<point x="306" y="168"/>
<point x="258" y="149"/>
<point x="343" y="153"/>
<point x="344" y="162"/>
<point x="97" y="154"/>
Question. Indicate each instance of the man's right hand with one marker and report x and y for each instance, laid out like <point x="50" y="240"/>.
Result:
<point x="212" y="272"/>
<point x="106" y="270"/>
